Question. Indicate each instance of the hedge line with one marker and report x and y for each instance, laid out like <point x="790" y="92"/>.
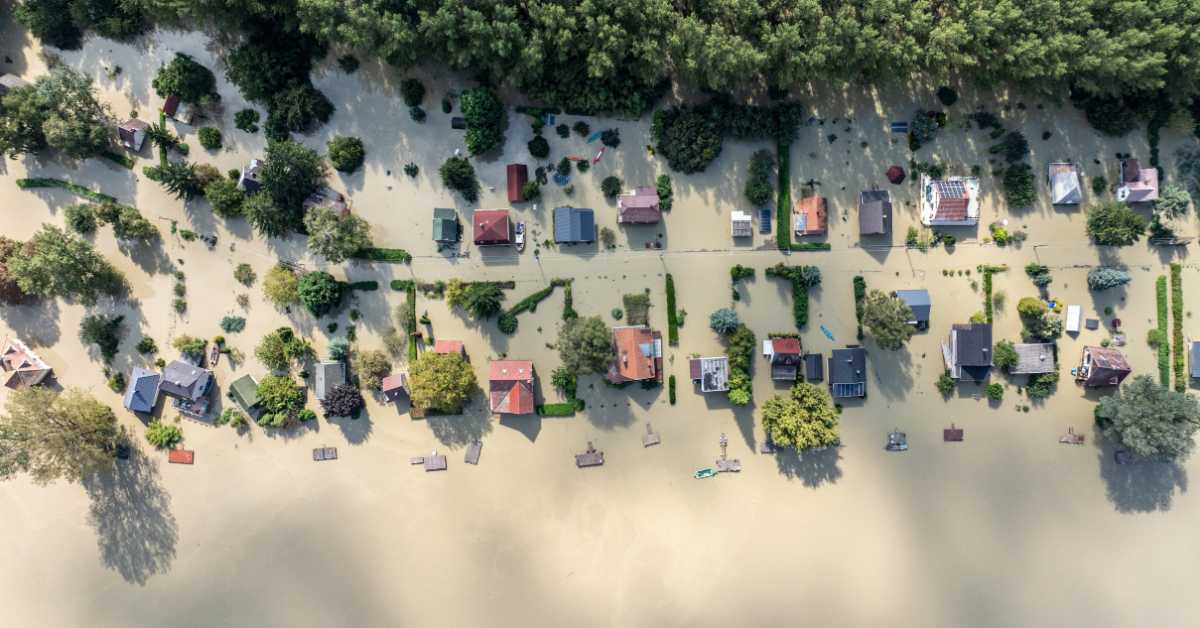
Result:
<point x="811" y="246"/>
<point x="566" y="408"/>
<point x="508" y="320"/>
<point x="671" y="389"/>
<point x="799" y="290"/>
<point x="75" y="188"/>
<point x="412" y="310"/>
<point x="363" y="285"/>
<point x="783" y="209"/>
<point x="1164" y="349"/>
<point x="1177" y="326"/>
<point x="860" y="293"/>
<point x="392" y="256"/>
<point x="672" y="316"/>
<point x="401" y="285"/>
<point x="121" y="159"/>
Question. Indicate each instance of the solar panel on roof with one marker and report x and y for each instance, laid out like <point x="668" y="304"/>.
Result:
<point x="954" y="189"/>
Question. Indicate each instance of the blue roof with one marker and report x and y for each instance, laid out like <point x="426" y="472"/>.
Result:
<point x="918" y="300"/>
<point x="142" y="393"/>
<point x="1195" y="355"/>
<point x="574" y="224"/>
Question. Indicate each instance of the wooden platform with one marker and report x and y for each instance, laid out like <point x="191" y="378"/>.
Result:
<point x="181" y="456"/>
<point x="726" y="465"/>
<point x="650" y="438"/>
<point x="324" y="453"/>
<point x="1071" y="438"/>
<point x="435" y="463"/>
<point x="589" y="458"/>
<point x="473" y="451"/>
<point x="952" y="434"/>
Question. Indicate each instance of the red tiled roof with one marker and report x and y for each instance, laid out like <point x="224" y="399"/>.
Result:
<point x="786" y="345"/>
<point x="448" y="346"/>
<point x="635" y="359"/>
<point x="816" y="214"/>
<point x="491" y="226"/>
<point x="953" y="199"/>
<point x="518" y="175"/>
<point x="639" y="206"/>
<point x="19" y="366"/>
<point x="510" y="384"/>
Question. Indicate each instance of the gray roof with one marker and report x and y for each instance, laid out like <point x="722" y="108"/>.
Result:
<point x="974" y="344"/>
<point x="1034" y="358"/>
<point x="848" y="372"/>
<point x="328" y="375"/>
<point x="919" y="301"/>
<point x="874" y="212"/>
<point x="1194" y="355"/>
<point x="248" y="181"/>
<point x="1064" y="185"/>
<point x="142" y="394"/>
<point x="185" y="381"/>
<point x="574" y="224"/>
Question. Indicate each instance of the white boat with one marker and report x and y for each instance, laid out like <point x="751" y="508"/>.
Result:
<point x="520" y="231"/>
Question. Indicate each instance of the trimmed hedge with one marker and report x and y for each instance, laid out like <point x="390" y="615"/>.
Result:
<point x="739" y="272"/>
<point x="564" y="409"/>
<point x="411" y="302"/>
<point x="671" y="389"/>
<point x="394" y="256"/>
<point x="783" y="191"/>
<point x="400" y="285"/>
<point x="860" y="293"/>
<point x="75" y="188"/>
<point x="810" y="246"/>
<point x="508" y="319"/>
<point x="123" y="160"/>
<point x="363" y="285"/>
<point x="672" y="316"/>
<point x="799" y="289"/>
<point x="1164" y="349"/>
<point x="1177" y="327"/>
<point x="987" y="271"/>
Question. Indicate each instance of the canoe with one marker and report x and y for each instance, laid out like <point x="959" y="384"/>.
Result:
<point x="706" y="472"/>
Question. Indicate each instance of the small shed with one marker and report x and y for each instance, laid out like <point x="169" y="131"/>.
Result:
<point x="132" y="133"/>
<point x="328" y="375"/>
<point x="394" y="386"/>
<point x="446" y="229"/>
<point x="814" y="367"/>
<point x="741" y="224"/>
<point x="518" y="176"/>
<point x="1074" y="314"/>
<point x="920" y="304"/>
<point x="1064" y="184"/>
<point x="244" y="391"/>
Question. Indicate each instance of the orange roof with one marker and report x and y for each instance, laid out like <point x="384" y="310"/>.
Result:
<point x="814" y="213"/>
<point x="19" y="366"/>
<point x="448" y="346"/>
<point x="510" y="385"/>
<point x="492" y="226"/>
<point x="636" y="354"/>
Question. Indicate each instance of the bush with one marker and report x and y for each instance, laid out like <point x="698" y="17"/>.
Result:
<point x="319" y="292"/>
<point x="103" y="331"/>
<point x="1004" y="355"/>
<point x="147" y="346"/>
<point x="1105" y="278"/>
<point x="1031" y="307"/>
<point x="162" y="435"/>
<point x="244" y="274"/>
<point x="116" y="383"/>
<point x="346" y="153"/>
<point x="611" y="138"/>
<point x="246" y="120"/>
<point x="507" y="323"/>
<point x="945" y="383"/>
<point x="1109" y="115"/>
<point x="185" y="78"/>
<point x="581" y="128"/>
<point x="563" y="131"/>
<point x="413" y="91"/>
<point x="539" y="147"/>
<point x="532" y="190"/>
<point x="583" y="166"/>
<point x="232" y="324"/>
<point x="210" y="137"/>
<point x="1115" y="224"/>
<point x="924" y="129"/>
<point x="758" y="184"/>
<point x="724" y="321"/>
<point x="486" y="120"/>
<point x="611" y="186"/>
<point x="297" y="109"/>
<point x="995" y="392"/>
<point x="947" y="95"/>
<point x="226" y="199"/>
<point x="1013" y="146"/>
<point x="1041" y="385"/>
<point x="343" y="400"/>
<point x="1177" y="326"/>
<point x="459" y="175"/>
<point x="282" y="286"/>
<point x="417" y="114"/>
<point x="280" y="400"/>
<point x="411" y="169"/>
<point x="1173" y="201"/>
<point x="80" y="218"/>
<point x="1039" y="274"/>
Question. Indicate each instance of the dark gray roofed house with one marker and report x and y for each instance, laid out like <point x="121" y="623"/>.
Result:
<point x="1034" y="358"/>
<point x="142" y="394"/>
<point x="1102" y="366"/>
<point x="968" y="351"/>
<point x="814" y="367"/>
<point x="446" y="228"/>
<point x="874" y="212"/>
<point x="189" y="385"/>
<point x="918" y="301"/>
<point x="328" y="375"/>
<point x="248" y="181"/>
<point x="1194" y="359"/>
<point x="848" y="373"/>
<point x="711" y="373"/>
<point x="574" y="224"/>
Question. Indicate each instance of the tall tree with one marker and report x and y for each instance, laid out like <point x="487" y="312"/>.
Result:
<point x="291" y="172"/>
<point x="441" y="381"/>
<point x="335" y="236"/>
<point x="55" y="436"/>
<point x="585" y="345"/>
<point x="1149" y="420"/>
<point x="803" y="419"/>
<point x="57" y="264"/>
<point x="886" y="316"/>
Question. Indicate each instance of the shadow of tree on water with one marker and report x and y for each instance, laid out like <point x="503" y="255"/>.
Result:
<point x="130" y="511"/>
<point x="812" y="468"/>
<point x="1140" y="486"/>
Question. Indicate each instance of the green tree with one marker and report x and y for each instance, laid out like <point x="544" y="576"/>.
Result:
<point x="10" y="292"/>
<point x="585" y="345"/>
<point x="21" y="119"/>
<point x="1019" y="191"/>
<point x="57" y="264"/>
<point x="1149" y="420"/>
<point x="163" y="435"/>
<point x="459" y="175"/>
<point x="50" y="21"/>
<point x="319" y="292"/>
<point x="210" y="137"/>
<point x="55" y="436"/>
<point x="132" y="225"/>
<point x="1031" y="307"/>
<point x="280" y="399"/>
<point x="190" y="347"/>
<point x="260" y="210"/>
<point x="803" y="419"/>
<point x="180" y="179"/>
<point x="80" y="217"/>
<point x="1115" y="224"/>
<point x="299" y="108"/>
<point x="480" y="299"/>
<point x="486" y="120"/>
<point x="59" y="111"/>
<point x="441" y="382"/>
<point x="282" y="348"/>
<point x="1173" y="201"/>
<point x="185" y="78"/>
<point x="995" y="392"/>
<point x="687" y="138"/>
<point x="334" y="236"/>
<point x="282" y="286"/>
<point x="413" y="91"/>
<point x="225" y="197"/>
<point x="346" y="153"/>
<point x="886" y="316"/>
<point x="1004" y="355"/>
<point x="758" y="185"/>
<point x="290" y="173"/>
<point x="103" y="331"/>
<point x="611" y="186"/>
<point x="724" y="321"/>
<point x="372" y="367"/>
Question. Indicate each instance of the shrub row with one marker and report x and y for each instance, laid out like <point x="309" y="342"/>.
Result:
<point x="1164" y="350"/>
<point x="671" y="389"/>
<point x="672" y="315"/>
<point x="739" y="272"/>
<point x="783" y="192"/>
<point x="394" y="256"/>
<point x="564" y="409"/>
<point x="75" y="188"/>
<point x="860" y="293"/>
<point x="411" y="303"/>
<point x="810" y="246"/>
<point x="802" y="278"/>
<point x="120" y="159"/>
<point x="508" y="320"/>
<point x="369" y="286"/>
<point x="1177" y="326"/>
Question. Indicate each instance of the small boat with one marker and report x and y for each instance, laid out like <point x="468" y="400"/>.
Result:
<point x="520" y="236"/>
<point x="897" y="441"/>
<point x="706" y="472"/>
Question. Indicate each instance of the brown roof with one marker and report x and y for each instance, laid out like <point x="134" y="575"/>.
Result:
<point x="19" y="366"/>
<point x="492" y="226"/>
<point x="639" y="206"/>
<point x="518" y="176"/>
<point x="171" y="105"/>
<point x="449" y="346"/>
<point x="813" y="210"/>
<point x="510" y="385"/>
<point x="394" y="386"/>
<point x="636" y="357"/>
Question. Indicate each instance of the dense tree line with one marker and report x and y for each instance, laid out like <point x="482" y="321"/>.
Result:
<point x="588" y="56"/>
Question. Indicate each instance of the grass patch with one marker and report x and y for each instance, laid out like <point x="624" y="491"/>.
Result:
<point x="672" y="317"/>
<point x="1177" y="327"/>
<point x="569" y="313"/>
<point x="563" y="409"/>
<point x="860" y="293"/>
<point x="391" y="256"/>
<point x="1164" y="349"/>
<point x="637" y="308"/>
<point x="783" y="207"/>
<point x="121" y="159"/>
